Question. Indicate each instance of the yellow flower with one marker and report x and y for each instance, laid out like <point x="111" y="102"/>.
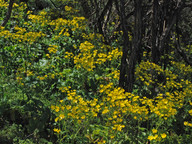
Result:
<point x="155" y="137"/>
<point x="61" y="116"/>
<point x="95" y="114"/>
<point x="163" y="135"/>
<point x="52" y="107"/>
<point x="101" y="142"/>
<point x="61" y="101"/>
<point x="185" y="123"/>
<point x="112" y="137"/>
<point x="105" y="110"/>
<point x="150" y="138"/>
<point x="190" y="124"/>
<point x="56" y="119"/>
<point x="154" y="130"/>
<point x="56" y="130"/>
<point x="83" y="117"/>
<point x="67" y="8"/>
<point x="190" y="112"/>
<point x="56" y="109"/>
<point x="47" y="55"/>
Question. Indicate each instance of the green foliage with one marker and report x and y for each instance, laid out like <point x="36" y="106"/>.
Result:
<point x="59" y="84"/>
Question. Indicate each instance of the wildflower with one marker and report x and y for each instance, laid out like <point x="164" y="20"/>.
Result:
<point x="185" y="123"/>
<point x="56" y="119"/>
<point x="154" y="130"/>
<point x="163" y="135"/>
<point x="150" y="138"/>
<point x="56" y="130"/>
<point x="52" y="107"/>
<point x="47" y="55"/>
<point x="67" y="8"/>
<point x="105" y="110"/>
<point x="190" y="112"/>
<point x="112" y="137"/>
<point x="83" y="117"/>
<point x="155" y="137"/>
<point x="61" y="116"/>
<point x="56" y="109"/>
<point x="61" y="101"/>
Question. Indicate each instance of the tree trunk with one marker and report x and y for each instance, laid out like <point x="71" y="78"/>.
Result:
<point x="86" y="8"/>
<point x="136" y="45"/>
<point x="8" y="15"/>
<point x="155" y="50"/>
<point x="123" y="67"/>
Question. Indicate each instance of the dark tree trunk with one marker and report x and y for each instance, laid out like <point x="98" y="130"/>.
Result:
<point x="86" y="8"/>
<point x="123" y="67"/>
<point x="100" y="19"/>
<point x="155" y="50"/>
<point x="136" y="45"/>
<point x="8" y="15"/>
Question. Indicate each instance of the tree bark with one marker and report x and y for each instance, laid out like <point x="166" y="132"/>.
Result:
<point x="100" y="19"/>
<point x="136" y="45"/>
<point x="86" y="8"/>
<point x="8" y="15"/>
<point x="123" y="67"/>
<point x="155" y="50"/>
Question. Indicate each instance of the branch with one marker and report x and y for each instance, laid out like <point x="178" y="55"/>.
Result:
<point x="182" y="53"/>
<point x="178" y="46"/>
<point x="100" y="19"/>
<point x="86" y="8"/>
<point x="170" y="25"/>
<point x="53" y="3"/>
<point x="117" y="26"/>
<point x="8" y="15"/>
<point x="188" y="5"/>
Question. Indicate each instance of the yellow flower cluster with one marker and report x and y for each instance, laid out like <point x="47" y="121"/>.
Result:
<point x="67" y="8"/>
<point x="157" y="137"/>
<point x="89" y="57"/>
<point x="85" y="59"/>
<point x="76" y="110"/>
<point x="21" y="35"/>
<point x="186" y="70"/>
<point x="164" y="108"/>
<point x="187" y="124"/>
<point x="92" y="36"/>
<point x="113" y="107"/>
<point x="29" y="73"/>
<point x="22" y="6"/>
<point x="75" y="24"/>
<point x="19" y="80"/>
<point x="64" y="32"/>
<point x="114" y="54"/>
<point x="69" y="55"/>
<point x="116" y="104"/>
<point x="3" y="4"/>
<point x="5" y="33"/>
<point x="20" y="30"/>
<point x="49" y="76"/>
<point x="52" y="49"/>
<point x="19" y="10"/>
<point x="114" y="74"/>
<point x="42" y="77"/>
<point x="170" y="97"/>
<point x="41" y="19"/>
<point x="56" y="130"/>
<point x="144" y="72"/>
<point x="58" y="23"/>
